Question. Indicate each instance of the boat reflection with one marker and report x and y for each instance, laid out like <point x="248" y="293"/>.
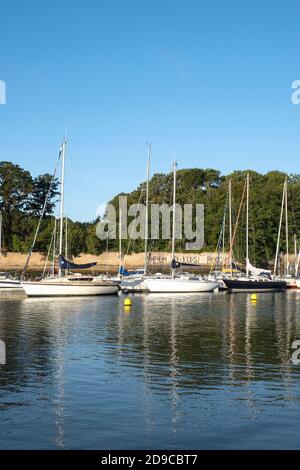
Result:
<point x="178" y="351"/>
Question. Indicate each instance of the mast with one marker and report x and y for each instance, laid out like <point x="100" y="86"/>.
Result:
<point x="62" y="201"/>
<point x="54" y="248"/>
<point x="174" y="217"/>
<point x="66" y="241"/>
<point x="297" y="263"/>
<point x="230" y="225"/>
<point x="0" y="233"/>
<point x="147" y="209"/>
<point x="286" y="230"/>
<point x="120" y="240"/>
<point x="107" y="249"/>
<point x="295" y="254"/>
<point x="247" y="228"/>
<point x="279" y="229"/>
<point x="223" y="237"/>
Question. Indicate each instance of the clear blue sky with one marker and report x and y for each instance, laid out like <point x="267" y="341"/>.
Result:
<point x="208" y="80"/>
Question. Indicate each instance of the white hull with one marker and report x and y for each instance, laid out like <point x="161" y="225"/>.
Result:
<point x="51" y="289"/>
<point x="10" y="284"/>
<point x="130" y="283"/>
<point x="291" y="283"/>
<point x="219" y="280"/>
<point x="180" y="285"/>
<point x="134" y="285"/>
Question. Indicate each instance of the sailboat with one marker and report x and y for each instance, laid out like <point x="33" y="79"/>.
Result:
<point x="178" y="283"/>
<point x="7" y="282"/>
<point x="134" y="281"/>
<point x="291" y="281"/>
<point x="255" y="279"/>
<point x="221" y="268"/>
<point x="72" y="284"/>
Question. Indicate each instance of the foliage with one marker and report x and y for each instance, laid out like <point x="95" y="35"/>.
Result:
<point x="209" y="187"/>
<point x="22" y="198"/>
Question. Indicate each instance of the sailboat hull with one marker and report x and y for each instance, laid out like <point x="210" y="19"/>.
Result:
<point x="179" y="285"/>
<point x="238" y="285"/>
<point x="291" y="283"/>
<point x="10" y="284"/>
<point x="44" y="289"/>
<point x="134" y="285"/>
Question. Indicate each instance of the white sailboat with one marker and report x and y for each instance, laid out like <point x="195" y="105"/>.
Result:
<point x="180" y="284"/>
<point x="221" y="271"/>
<point x="135" y="281"/>
<point x="7" y="282"/>
<point x="291" y="281"/>
<point x="175" y="283"/>
<point x="73" y="284"/>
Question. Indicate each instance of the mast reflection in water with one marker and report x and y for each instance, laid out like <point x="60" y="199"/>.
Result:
<point x="180" y="371"/>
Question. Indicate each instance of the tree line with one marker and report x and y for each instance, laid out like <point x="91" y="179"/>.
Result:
<point x="210" y="188"/>
<point x="22" y="198"/>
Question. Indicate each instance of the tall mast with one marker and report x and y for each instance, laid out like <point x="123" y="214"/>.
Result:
<point x="247" y="228"/>
<point x="279" y="229"/>
<point x="120" y="240"/>
<point x="286" y="230"/>
<point x="297" y="264"/>
<point x="54" y="248"/>
<point x="223" y="237"/>
<point x="295" y="254"/>
<point x="66" y="239"/>
<point x="230" y="225"/>
<point x="62" y="200"/>
<point x="107" y="249"/>
<point x="147" y="209"/>
<point x="0" y="233"/>
<point x="174" y="216"/>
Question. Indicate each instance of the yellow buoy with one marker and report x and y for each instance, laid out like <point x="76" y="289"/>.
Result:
<point x="127" y="309"/>
<point x="253" y="297"/>
<point x="127" y="302"/>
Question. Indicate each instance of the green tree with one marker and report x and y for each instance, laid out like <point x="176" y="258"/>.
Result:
<point x="41" y="186"/>
<point x="15" y="187"/>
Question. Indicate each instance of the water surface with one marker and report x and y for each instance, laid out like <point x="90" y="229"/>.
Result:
<point x="209" y="371"/>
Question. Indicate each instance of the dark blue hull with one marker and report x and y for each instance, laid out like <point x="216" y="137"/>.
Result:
<point x="246" y="286"/>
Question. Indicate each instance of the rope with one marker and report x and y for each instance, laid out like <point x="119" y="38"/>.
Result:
<point x="130" y="236"/>
<point x="237" y="221"/>
<point x="216" y="261"/>
<point x="50" y="246"/>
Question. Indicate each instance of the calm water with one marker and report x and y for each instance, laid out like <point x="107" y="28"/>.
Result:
<point x="190" y="371"/>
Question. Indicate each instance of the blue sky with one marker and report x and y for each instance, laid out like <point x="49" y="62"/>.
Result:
<point x="210" y="81"/>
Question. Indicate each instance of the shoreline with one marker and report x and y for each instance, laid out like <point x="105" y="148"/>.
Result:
<point x="12" y="261"/>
